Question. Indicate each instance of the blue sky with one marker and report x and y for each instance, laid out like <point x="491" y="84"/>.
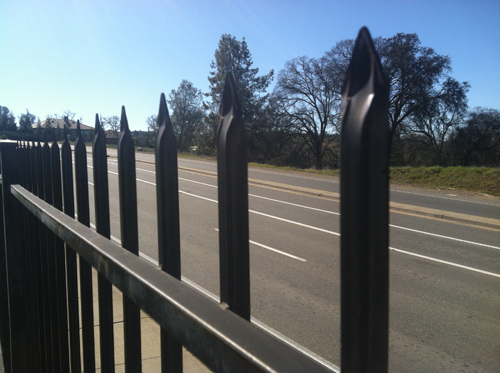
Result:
<point x="94" y="56"/>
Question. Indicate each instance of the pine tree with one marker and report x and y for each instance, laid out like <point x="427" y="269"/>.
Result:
<point x="234" y="56"/>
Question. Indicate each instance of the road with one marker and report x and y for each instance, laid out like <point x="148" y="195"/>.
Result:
<point x="444" y="272"/>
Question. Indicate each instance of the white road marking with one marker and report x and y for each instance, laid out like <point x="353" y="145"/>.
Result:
<point x="331" y="212"/>
<point x="258" y="323"/>
<point x="336" y="213"/>
<point x="336" y="182"/>
<point x="446" y="262"/>
<point x="446" y="237"/>
<point x="338" y="234"/>
<point x="275" y="250"/>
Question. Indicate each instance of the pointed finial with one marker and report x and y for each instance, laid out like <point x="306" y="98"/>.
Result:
<point x="123" y="121"/>
<point x="163" y="117"/>
<point x="229" y="96"/>
<point x="365" y="66"/>
<point x="98" y="127"/>
<point x="78" y="129"/>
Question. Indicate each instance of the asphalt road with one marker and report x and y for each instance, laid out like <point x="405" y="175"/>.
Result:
<point x="444" y="279"/>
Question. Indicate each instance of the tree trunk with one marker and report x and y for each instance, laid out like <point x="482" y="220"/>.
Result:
<point x="319" y="164"/>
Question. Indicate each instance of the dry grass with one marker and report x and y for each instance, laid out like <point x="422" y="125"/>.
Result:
<point x="471" y="179"/>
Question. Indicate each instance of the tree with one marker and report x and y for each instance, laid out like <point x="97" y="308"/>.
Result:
<point x="478" y="141"/>
<point x="152" y="124"/>
<point x="436" y="120"/>
<point x="26" y="122"/>
<point x="38" y="128"/>
<point x="186" y="113"/>
<point x="418" y="76"/>
<point x="309" y="94"/>
<point x="47" y="126"/>
<point x="234" y="56"/>
<point x="69" y="114"/>
<point x="113" y="123"/>
<point x="7" y="120"/>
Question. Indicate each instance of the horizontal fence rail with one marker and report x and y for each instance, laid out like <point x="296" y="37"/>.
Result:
<point x="46" y="256"/>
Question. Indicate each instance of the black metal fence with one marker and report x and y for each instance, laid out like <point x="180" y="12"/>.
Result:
<point x="42" y="244"/>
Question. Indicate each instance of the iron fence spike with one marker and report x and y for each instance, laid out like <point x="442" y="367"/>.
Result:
<point x="233" y="203"/>
<point x="364" y="212"/>
<point x="163" y="116"/>
<point x="229" y="97"/>
<point x="98" y="131"/>
<point x="78" y="129"/>
<point x="97" y="124"/>
<point x="365" y="67"/>
<point x="124" y="121"/>
<point x="167" y="201"/>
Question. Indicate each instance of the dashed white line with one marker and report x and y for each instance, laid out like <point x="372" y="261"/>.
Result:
<point x="275" y="250"/>
<point x="338" y="234"/>
<point x="255" y="321"/>
<point x="328" y="212"/>
<point x="445" y="262"/>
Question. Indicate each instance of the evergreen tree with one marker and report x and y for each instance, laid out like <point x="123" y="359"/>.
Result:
<point x="26" y="122"/>
<point x="7" y="120"/>
<point x="186" y="113"/>
<point x="234" y="56"/>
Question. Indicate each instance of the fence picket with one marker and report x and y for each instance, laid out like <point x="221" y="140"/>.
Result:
<point x="55" y="158"/>
<point x="86" y="296"/>
<point x="71" y="261"/>
<point x="51" y="262"/>
<point x="12" y="261"/>
<point x="130" y="240"/>
<point x="364" y="211"/>
<point x="167" y="202"/>
<point x="233" y="204"/>
<point x="43" y="265"/>
<point x="105" y="290"/>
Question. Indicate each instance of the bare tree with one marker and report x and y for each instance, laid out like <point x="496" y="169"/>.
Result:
<point x="309" y="94"/>
<point x="113" y="123"/>
<point x="418" y="75"/>
<point x="436" y="120"/>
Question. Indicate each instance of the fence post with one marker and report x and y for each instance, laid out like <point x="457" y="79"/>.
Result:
<point x="233" y="204"/>
<point x="55" y="158"/>
<point x="36" y="261"/>
<point x="364" y="209"/>
<point x="102" y="223"/>
<point x="130" y="240"/>
<point x="51" y="261"/>
<point x="12" y="265"/>
<point x="86" y="297"/>
<point x="43" y="264"/>
<point x="71" y="265"/>
<point x="167" y="202"/>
